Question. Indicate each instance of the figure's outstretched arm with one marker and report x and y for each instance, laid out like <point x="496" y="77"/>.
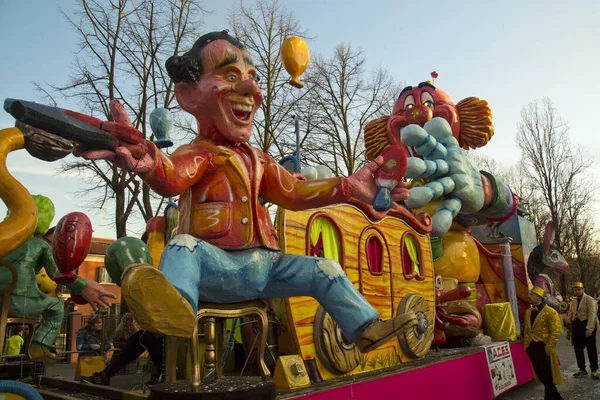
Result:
<point x="166" y="175"/>
<point x="91" y="291"/>
<point x="172" y="175"/>
<point x="284" y="189"/>
<point x="280" y="187"/>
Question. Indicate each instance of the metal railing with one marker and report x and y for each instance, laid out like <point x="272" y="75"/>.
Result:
<point x="18" y="367"/>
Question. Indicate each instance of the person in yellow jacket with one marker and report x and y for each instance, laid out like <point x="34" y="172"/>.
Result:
<point x="542" y="332"/>
<point x="583" y="316"/>
<point x="14" y="344"/>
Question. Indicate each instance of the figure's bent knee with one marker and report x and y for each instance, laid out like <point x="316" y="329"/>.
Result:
<point x="330" y="268"/>
<point x="184" y="241"/>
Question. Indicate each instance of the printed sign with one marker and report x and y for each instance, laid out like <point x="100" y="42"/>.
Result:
<point x="502" y="369"/>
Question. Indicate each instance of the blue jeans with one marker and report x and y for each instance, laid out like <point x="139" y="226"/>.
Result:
<point x="203" y="272"/>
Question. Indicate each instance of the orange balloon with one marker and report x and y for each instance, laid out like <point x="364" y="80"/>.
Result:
<point x="295" y="56"/>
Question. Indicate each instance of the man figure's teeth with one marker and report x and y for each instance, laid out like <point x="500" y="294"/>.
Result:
<point x="241" y="107"/>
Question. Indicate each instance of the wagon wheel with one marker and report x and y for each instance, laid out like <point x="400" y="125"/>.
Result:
<point x="415" y="342"/>
<point x="335" y="352"/>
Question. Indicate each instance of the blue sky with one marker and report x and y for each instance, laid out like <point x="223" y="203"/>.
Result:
<point x="507" y="52"/>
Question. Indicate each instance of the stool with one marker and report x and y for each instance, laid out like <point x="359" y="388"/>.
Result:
<point x="214" y="316"/>
<point x="7" y="319"/>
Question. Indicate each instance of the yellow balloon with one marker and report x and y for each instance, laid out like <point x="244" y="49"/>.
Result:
<point x="44" y="282"/>
<point x="295" y="56"/>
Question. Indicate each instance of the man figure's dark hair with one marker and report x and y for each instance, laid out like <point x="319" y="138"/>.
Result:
<point x="18" y="330"/>
<point x="188" y="67"/>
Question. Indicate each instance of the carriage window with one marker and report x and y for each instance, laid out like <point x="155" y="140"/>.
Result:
<point x="411" y="265"/>
<point x="325" y="239"/>
<point x="375" y="255"/>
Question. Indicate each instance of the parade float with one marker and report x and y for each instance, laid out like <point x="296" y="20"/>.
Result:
<point x="454" y="247"/>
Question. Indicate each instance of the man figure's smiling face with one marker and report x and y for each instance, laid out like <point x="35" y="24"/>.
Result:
<point x="227" y="96"/>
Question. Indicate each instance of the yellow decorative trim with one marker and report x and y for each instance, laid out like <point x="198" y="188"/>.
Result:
<point x="22" y="219"/>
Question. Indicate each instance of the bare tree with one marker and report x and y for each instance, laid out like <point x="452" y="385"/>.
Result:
<point x="344" y="98"/>
<point x="556" y="169"/>
<point x="584" y="254"/>
<point x="121" y="54"/>
<point x="263" y="27"/>
<point x="592" y="271"/>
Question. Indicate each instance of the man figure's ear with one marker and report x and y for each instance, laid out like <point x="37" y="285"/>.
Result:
<point x="186" y="93"/>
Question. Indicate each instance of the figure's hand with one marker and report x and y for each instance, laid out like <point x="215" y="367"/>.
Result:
<point x="96" y="295"/>
<point x="588" y="332"/>
<point x="95" y="346"/>
<point x="131" y="153"/>
<point x="363" y="185"/>
<point x="568" y="335"/>
<point x="452" y="173"/>
<point x="548" y="349"/>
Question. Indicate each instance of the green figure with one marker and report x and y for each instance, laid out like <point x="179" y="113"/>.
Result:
<point x="27" y="298"/>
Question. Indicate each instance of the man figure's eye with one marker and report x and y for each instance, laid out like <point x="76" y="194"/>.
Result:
<point x="231" y="77"/>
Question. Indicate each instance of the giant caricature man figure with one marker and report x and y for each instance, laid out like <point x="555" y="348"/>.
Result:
<point x="227" y="250"/>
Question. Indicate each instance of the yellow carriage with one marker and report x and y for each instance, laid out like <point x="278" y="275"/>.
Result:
<point x="388" y="259"/>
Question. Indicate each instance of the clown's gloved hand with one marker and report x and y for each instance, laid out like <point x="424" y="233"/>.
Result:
<point x="452" y="173"/>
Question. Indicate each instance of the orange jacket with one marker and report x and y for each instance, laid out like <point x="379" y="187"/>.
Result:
<point x="222" y="205"/>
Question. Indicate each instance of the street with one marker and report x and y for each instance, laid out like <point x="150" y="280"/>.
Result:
<point x="572" y="388"/>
